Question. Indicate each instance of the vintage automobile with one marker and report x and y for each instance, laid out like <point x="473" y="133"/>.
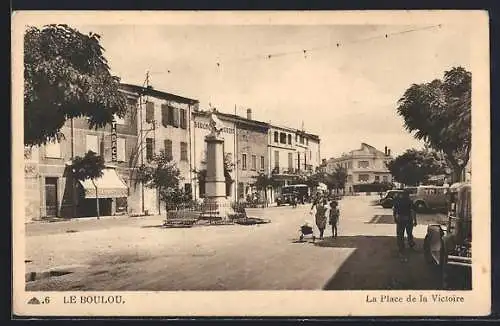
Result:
<point x="288" y="193"/>
<point x="387" y="200"/>
<point x="428" y="198"/>
<point x="449" y="245"/>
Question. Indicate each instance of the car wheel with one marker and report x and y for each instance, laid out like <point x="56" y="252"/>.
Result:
<point x="420" y="206"/>
<point x="427" y="251"/>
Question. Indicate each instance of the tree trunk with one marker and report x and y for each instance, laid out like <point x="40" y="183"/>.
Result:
<point x="457" y="174"/>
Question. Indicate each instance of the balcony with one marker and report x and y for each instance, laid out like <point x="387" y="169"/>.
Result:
<point x="283" y="170"/>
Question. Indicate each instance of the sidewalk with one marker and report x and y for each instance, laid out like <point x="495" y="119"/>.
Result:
<point x="85" y="224"/>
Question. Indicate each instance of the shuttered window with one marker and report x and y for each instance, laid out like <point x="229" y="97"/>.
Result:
<point x="149" y="149"/>
<point x="184" y="151"/>
<point x="150" y="111"/>
<point x="164" y="115"/>
<point x="168" y="148"/>
<point x="183" y="119"/>
<point x="176" y="117"/>
<point x="170" y="115"/>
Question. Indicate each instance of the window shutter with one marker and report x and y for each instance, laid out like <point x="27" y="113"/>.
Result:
<point x="168" y="148"/>
<point x="170" y="115"/>
<point x="176" y="117"/>
<point x="183" y="119"/>
<point x="164" y="115"/>
<point x="150" y="112"/>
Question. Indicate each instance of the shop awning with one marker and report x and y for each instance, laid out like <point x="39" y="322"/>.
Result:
<point x="109" y="185"/>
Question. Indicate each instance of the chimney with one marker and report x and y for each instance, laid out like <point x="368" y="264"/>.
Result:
<point x="388" y="152"/>
<point x="249" y="114"/>
<point x="385" y="150"/>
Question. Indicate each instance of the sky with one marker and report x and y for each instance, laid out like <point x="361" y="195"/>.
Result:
<point x="346" y="94"/>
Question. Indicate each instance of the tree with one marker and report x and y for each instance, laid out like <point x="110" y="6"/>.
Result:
<point x="263" y="181"/>
<point x="164" y="176"/>
<point x="66" y="76"/>
<point x="228" y="168"/>
<point x="414" y="167"/>
<point x="439" y="113"/>
<point x="339" y="177"/>
<point x="89" y="166"/>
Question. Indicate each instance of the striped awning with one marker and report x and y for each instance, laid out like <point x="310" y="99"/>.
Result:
<point x="109" y="185"/>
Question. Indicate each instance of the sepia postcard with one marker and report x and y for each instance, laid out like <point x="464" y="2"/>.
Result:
<point x="298" y="163"/>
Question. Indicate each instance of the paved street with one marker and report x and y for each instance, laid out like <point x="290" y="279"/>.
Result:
<point x="138" y="254"/>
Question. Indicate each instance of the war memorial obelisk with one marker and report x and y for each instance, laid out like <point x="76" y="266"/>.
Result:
<point x="216" y="203"/>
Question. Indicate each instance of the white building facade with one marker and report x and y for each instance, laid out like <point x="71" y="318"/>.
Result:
<point x="366" y="165"/>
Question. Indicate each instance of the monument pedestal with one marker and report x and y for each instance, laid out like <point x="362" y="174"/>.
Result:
<point x="216" y="204"/>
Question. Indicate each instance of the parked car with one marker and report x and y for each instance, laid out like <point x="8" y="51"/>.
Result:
<point x="387" y="199"/>
<point x="429" y="198"/>
<point x="450" y="244"/>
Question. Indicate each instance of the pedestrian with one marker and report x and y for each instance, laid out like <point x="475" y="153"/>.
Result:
<point x="317" y="200"/>
<point x="334" y="215"/>
<point x="405" y="219"/>
<point x="321" y="210"/>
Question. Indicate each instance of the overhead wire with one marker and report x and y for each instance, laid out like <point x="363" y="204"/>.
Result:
<point x="307" y="51"/>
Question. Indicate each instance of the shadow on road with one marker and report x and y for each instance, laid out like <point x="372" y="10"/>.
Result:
<point x="421" y="219"/>
<point x="375" y="265"/>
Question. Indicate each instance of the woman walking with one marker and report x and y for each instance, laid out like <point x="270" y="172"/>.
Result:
<point x="321" y="209"/>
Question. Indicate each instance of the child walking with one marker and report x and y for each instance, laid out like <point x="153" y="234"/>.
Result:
<point x="334" y="217"/>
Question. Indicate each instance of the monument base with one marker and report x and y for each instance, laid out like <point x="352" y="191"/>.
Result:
<point x="217" y="208"/>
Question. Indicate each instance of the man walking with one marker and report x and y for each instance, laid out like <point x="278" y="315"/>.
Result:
<point x="405" y="219"/>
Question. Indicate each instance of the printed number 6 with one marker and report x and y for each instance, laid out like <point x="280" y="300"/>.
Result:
<point x="46" y="300"/>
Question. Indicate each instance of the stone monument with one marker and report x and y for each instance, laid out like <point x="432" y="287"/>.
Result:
<point x="215" y="204"/>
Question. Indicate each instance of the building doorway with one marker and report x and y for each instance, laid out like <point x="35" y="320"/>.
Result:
<point x="51" y="197"/>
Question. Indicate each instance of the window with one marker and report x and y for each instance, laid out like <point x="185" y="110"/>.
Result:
<point x="149" y="149"/>
<point x="150" y="111"/>
<point x="349" y="178"/>
<point x="184" y="151"/>
<point x="254" y="162"/>
<point x="176" y="118"/>
<point x="53" y="149"/>
<point x="183" y="118"/>
<point x="276" y="159"/>
<point x="168" y="148"/>
<point x="349" y="164"/>
<point x="164" y="115"/>
<point x="307" y="141"/>
<point x="282" y="138"/>
<point x="290" y="161"/>
<point x="289" y="139"/>
<point x="262" y="163"/>
<point x="363" y="164"/>
<point x="243" y="161"/>
<point x="296" y="138"/>
<point x="170" y="115"/>
<point x="120" y="150"/>
<point x="275" y="136"/>
<point x="118" y="120"/>
<point x="385" y="178"/>
<point x="377" y="178"/>
<point x="92" y="144"/>
<point x="363" y="177"/>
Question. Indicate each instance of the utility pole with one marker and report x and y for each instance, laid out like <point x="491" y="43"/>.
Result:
<point x="73" y="183"/>
<point x="142" y="137"/>
<point x="236" y="158"/>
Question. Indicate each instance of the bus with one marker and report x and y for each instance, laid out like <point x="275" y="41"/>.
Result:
<point x="288" y="193"/>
